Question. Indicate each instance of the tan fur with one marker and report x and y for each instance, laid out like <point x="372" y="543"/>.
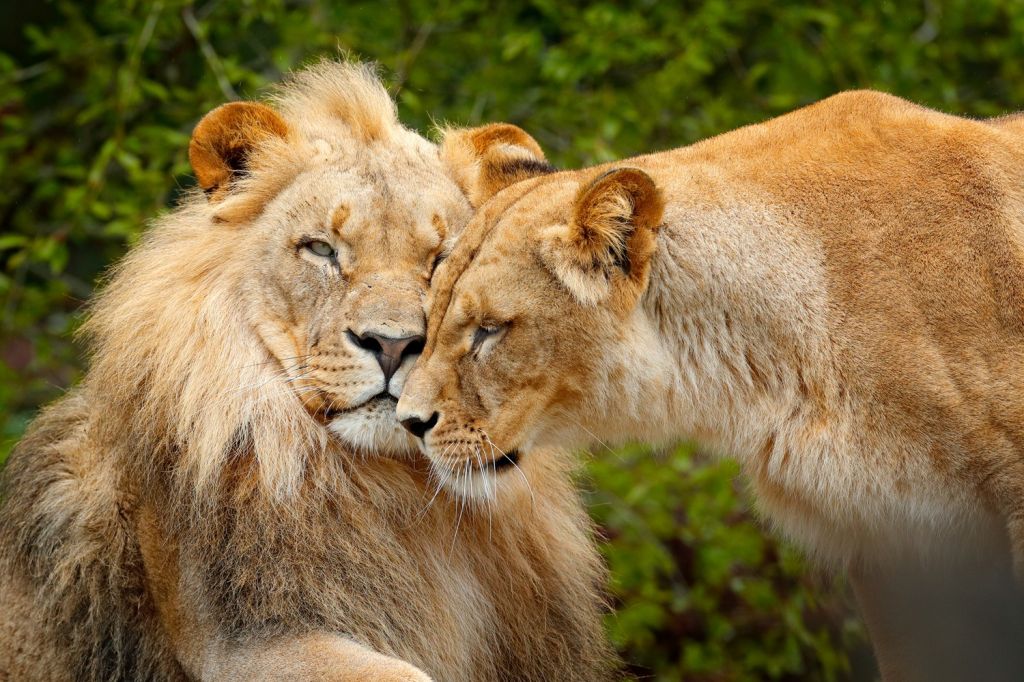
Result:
<point x="836" y="298"/>
<point x="227" y="495"/>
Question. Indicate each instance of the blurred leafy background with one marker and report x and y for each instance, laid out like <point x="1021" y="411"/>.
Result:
<point x="97" y="100"/>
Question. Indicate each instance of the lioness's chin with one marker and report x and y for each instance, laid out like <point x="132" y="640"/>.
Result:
<point x="373" y="429"/>
<point x="472" y="484"/>
<point x="478" y="480"/>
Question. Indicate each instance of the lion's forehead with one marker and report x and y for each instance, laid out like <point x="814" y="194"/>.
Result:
<point x="382" y="215"/>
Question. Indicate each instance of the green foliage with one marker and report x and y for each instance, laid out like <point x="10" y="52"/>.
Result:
<point x="702" y="593"/>
<point x="97" y="101"/>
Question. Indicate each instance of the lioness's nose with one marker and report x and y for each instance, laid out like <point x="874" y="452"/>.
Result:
<point x="418" y="427"/>
<point x="388" y="350"/>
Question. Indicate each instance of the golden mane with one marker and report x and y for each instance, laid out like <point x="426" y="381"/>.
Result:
<point x="174" y="355"/>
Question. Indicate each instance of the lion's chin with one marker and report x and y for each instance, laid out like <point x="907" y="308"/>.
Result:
<point x="373" y="429"/>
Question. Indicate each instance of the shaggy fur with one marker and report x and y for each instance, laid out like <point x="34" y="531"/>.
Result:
<point x="835" y="297"/>
<point x="227" y="495"/>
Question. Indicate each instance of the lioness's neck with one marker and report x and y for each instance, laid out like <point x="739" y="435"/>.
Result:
<point x="749" y="354"/>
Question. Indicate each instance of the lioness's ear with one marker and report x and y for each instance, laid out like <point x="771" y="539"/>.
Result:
<point x="607" y="246"/>
<point x="485" y="160"/>
<point x="223" y="140"/>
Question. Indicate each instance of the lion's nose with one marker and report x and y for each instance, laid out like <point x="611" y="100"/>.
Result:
<point x="389" y="351"/>
<point x="418" y="427"/>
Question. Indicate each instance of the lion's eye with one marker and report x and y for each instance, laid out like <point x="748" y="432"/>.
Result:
<point x="320" y="248"/>
<point x="484" y="332"/>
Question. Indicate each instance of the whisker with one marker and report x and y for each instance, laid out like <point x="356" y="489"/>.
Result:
<point x="470" y="478"/>
<point x="563" y="412"/>
<point x="280" y="360"/>
<point x="462" y="506"/>
<point x="533" y="499"/>
<point x="440" y="484"/>
<point x="283" y="372"/>
<point x="489" y="495"/>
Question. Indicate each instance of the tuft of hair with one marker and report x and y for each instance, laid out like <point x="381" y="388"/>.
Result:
<point x="333" y="108"/>
<point x="331" y="93"/>
<point x="603" y="224"/>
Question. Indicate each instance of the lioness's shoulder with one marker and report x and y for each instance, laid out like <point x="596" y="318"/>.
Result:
<point x="868" y="101"/>
<point x="859" y="108"/>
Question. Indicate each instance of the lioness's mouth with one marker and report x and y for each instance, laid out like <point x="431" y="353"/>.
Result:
<point x="509" y="459"/>
<point x="503" y="461"/>
<point x="474" y="479"/>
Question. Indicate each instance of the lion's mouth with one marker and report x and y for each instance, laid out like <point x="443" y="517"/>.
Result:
<point x="381" y="399"/>
<point x="502" y="462"/>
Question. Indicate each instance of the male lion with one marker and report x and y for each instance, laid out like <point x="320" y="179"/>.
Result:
<point x="835" y="297"/>
<point x="227" y="495"/>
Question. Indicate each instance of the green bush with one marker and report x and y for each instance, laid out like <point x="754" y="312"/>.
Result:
<point x="97" y="101"/>
<point x="701" y="592"/>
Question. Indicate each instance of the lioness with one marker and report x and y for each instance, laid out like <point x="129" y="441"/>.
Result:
<point x="835" y="297"/>
<point x="227" y="495"/>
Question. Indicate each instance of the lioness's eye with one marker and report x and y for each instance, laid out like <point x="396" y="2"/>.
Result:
<point x="437" y="261"/>
<point x="320" y="248"/>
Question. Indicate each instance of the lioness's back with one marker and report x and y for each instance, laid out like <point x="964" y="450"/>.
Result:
<point x="919" y="218"/>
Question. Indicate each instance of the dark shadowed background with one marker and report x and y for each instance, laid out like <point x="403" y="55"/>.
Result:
<point x="97" y="100"/>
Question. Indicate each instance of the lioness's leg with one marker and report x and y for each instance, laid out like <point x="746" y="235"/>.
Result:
<point x="1015" y="528"/>
<point x="945" y="620"/>
<point x="317" y="656"/>
<point x="875" y="609"/>
<point x="1007" y="487"/>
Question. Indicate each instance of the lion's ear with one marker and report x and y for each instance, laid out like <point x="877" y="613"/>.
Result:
<point x="485" y="160"/>
<point x="606" y="248"/>
<point x="224" y="139"/>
